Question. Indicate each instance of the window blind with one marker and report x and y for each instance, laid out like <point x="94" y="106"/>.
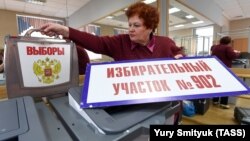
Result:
<point x="27" y="22"/>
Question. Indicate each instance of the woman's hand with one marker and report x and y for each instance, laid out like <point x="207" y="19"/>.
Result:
<point x="236" y="51"/>
<point x="178" y="56"/>
<point x="53" y="29"/>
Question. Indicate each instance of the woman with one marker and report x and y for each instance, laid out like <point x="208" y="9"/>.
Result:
<point x="1" y="61"/>
<point x="139" y="43"/>
<point x="1" y="68"/>
<point x="226" y="54"/>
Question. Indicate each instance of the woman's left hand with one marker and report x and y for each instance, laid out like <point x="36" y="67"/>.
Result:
<point x="178" y="56"/>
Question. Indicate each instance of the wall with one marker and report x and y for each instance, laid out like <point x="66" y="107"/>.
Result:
<point x="239" y="24"/>
<point x="8" y="25"/>
<point x="106" y="30"/>
<point x="182" y="37"/>
<point x="89" y="12"/>
<point x="217" y="30"/>
<point x="181" y="33"/>
<point x="225" y="26"/>
<point x="240" y="32"/>
<point x="240" y="28"/>
<point x="237" y="29"/>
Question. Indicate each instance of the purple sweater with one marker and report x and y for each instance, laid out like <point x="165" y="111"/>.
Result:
<point x="119" y="47"/>
<point x="225" y="53"/>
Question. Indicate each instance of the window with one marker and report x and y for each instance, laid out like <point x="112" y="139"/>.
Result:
<point x="204" y="40"/>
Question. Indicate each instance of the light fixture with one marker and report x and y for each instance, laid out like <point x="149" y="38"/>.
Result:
<point x="179" y="25"/>
<point x="149" y="1"/>
<point x="109" y="17"/>
<point x="173" y="10"/>
<point x="189" y="16"/>
<point x="39" y="2"/>
<point x="197" y="22"/>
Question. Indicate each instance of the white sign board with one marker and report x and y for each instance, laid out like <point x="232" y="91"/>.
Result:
<point x="44" y="64"/>
<point x="158" y="80"/>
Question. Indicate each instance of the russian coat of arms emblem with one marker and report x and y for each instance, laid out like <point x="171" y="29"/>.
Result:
<point x="47" y="70"/>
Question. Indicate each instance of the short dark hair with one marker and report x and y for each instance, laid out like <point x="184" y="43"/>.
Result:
<point x="148" y="13"/>
<point x="225" y="40"/>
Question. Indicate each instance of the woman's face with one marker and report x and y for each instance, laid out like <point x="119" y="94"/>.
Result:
<point x="138" y="33"/>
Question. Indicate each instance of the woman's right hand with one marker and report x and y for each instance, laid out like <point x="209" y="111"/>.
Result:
<point x="53" y="29"/>
<point x="236" y="51"/>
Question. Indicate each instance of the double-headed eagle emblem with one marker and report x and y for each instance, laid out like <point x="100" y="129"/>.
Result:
<point x="47" y="70"/>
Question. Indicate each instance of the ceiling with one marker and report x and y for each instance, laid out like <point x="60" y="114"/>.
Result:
<point x="232" y="9"/>
<point x="178" y="18"/>
<point x="52" y="8"/>
<point x="235" y="9"/>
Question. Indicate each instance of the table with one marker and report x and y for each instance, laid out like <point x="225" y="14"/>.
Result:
<point x="241" y="72"/>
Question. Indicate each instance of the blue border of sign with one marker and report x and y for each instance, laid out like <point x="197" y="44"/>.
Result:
<point x="84" y="93"/>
